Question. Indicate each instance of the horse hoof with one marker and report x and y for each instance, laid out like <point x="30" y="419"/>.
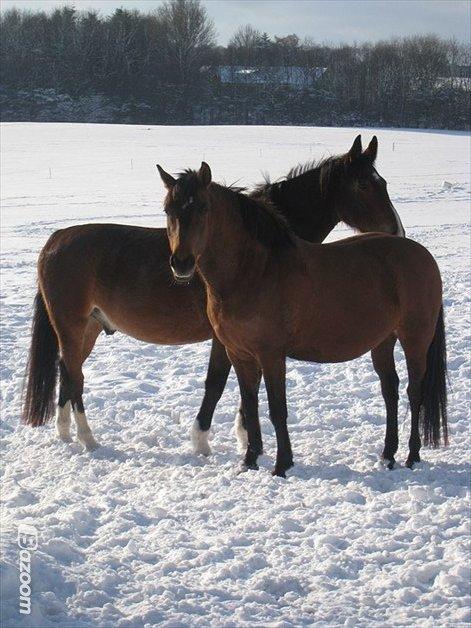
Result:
<point x="389" y="463"/>
<point x="411" y="462"/>
<point x="247" y="467"/>
<point x="279" y="473"/>
<point x="281" y="468"/>
<point x="65" y="439"/>
<point x="91" y="445"/>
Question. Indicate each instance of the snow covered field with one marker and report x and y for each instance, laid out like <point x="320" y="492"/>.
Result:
<point x="142" y="532"/>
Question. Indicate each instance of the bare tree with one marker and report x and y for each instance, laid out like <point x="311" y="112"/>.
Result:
<point x="245" y="44"/>
<point x="186" y="35"/>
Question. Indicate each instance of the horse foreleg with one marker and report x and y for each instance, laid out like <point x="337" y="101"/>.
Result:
<point x="216" y="378"/>
<point x="248" y="375"/>
<point x="240" y="424"/>
<point x="383" y="363"/>
<point x="274" y="374"/>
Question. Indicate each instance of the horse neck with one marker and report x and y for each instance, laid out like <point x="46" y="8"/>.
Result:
<point x="231" y="257"/>
<point x="311" y="215"/>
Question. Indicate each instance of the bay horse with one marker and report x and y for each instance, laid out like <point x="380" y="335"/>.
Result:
<point x="95" y="278"/>
<point x="272" y="295"/>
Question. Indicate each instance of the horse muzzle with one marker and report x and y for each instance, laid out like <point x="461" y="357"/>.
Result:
<point x="183" y="269"/>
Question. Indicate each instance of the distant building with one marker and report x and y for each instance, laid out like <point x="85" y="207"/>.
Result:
<point x="461" y="78"/>
<point x="458" y="82"/>
<point x="292" y="75"/>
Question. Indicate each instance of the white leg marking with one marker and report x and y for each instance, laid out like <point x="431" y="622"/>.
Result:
<point x="200" y="440"/>
<point x="84" y="433"/>
<point x="241" y="433"/>
<point x="63" y="423"/>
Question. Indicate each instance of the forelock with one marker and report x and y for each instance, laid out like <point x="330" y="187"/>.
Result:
<point x="187" y="183"/>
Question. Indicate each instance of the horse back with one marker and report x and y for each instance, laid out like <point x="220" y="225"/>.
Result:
<point x="344" y="298"/>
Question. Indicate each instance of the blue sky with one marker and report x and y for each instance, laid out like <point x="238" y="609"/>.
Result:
<point x="322" y="20"/>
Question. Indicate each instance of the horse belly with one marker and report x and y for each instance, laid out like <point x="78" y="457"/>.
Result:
<point x="172" y="315"/>
<point x="344" y="336"/>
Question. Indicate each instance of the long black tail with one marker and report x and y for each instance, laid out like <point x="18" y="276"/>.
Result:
<point x="41" y="371"/>
<point x="433" y="411"/>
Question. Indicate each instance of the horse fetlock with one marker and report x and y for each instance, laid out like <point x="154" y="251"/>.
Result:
<point x="412" y="459"/>
<point x="84" y="433"/>
<point x="200" y="440"/>
<point x="251" y="456"/>
<point x="283" y="463"/>
<point x="241" y="432"/>
<point x="63" y="421"/>
<point x="388" y="453"/>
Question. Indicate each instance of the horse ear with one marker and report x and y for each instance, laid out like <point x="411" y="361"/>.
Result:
<point x="372" y="149"/>
<point x="167" y="178"/>
<point x="204" y="175"/>
<point x="355" y="150"/>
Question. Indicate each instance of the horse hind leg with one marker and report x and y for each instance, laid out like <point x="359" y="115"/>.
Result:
<point x="76" y="345"/>
<point x="415" y="349"/>
<point x="383" y="363"/>
<point x="416" y="370"/>
<point x="64" y="407"/>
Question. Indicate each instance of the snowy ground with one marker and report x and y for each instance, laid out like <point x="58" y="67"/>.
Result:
<point x="142" y="532"/>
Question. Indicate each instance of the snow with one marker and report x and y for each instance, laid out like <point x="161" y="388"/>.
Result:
<point x="142" y="531"/>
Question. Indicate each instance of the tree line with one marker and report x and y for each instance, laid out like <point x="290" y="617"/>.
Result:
<point x="162" y="68"/>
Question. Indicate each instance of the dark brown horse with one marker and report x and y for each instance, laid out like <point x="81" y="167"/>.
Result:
<point x="116" y="277"/>
<point x="272" y="295"/>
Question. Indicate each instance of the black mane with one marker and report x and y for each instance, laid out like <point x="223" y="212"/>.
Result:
<point x="260" y="217"/>
<point x="263" y="221"/>
<point x="331" y="171"/>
